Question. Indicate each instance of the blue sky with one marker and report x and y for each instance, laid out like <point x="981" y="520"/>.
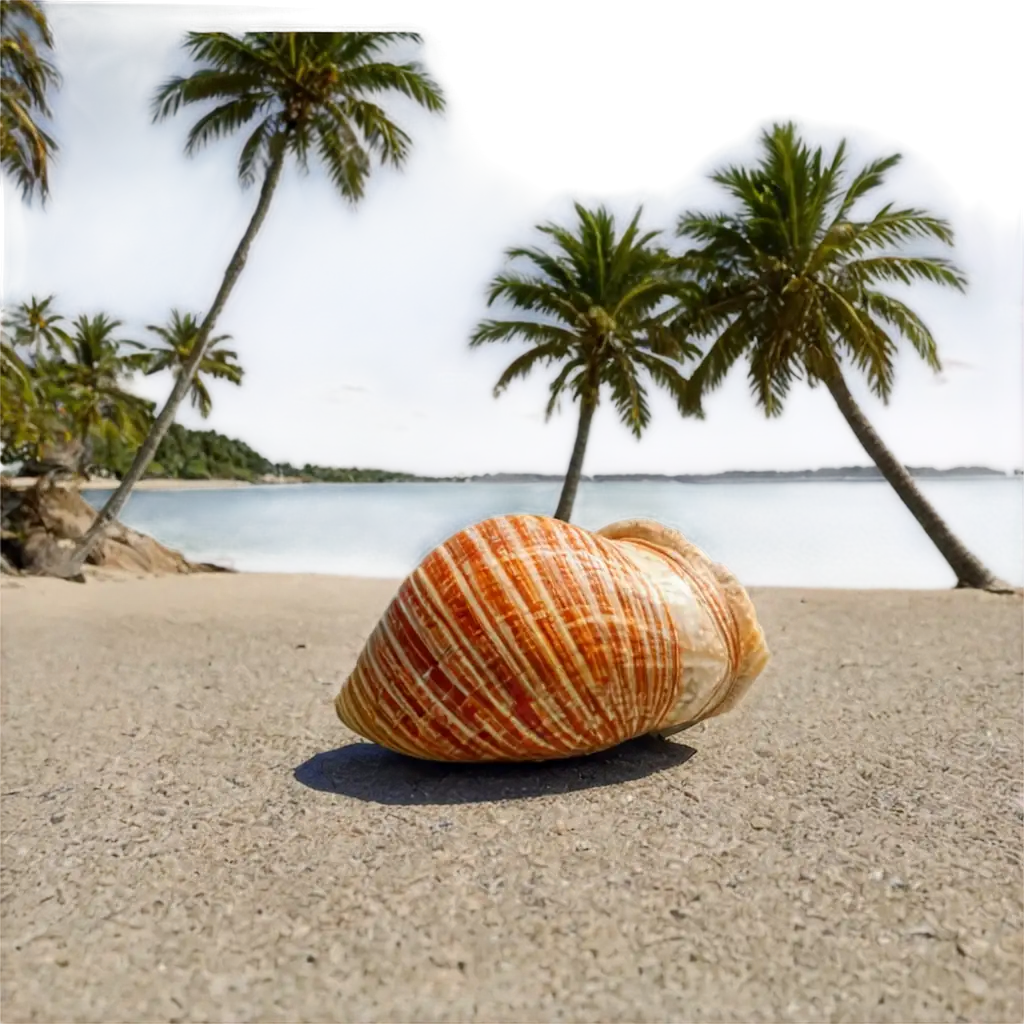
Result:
<point x="352" y="324"/>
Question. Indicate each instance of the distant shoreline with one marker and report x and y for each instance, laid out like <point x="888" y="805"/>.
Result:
<point x="851" y="474"/>
<point x="104" y="484"/>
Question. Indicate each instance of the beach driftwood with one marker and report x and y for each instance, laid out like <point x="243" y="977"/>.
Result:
<point x="41" y="524"/>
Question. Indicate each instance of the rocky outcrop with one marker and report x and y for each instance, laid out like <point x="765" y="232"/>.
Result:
<point x="40" y="526"/>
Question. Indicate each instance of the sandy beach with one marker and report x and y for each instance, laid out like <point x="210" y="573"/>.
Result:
<point x="109" y="484"/>
<point x="189" y="834"/>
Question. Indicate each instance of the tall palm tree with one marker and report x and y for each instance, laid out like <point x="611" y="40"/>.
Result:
<point x="35" y="325"/>
<point x="792" y="279"/>
<point x="179" y="338"/>
<point x="26" y="77"/>
<point x="597" y="304"/>
<point x="297" y="94"/>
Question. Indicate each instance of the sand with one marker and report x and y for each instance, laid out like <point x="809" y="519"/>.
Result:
<point x="107" y="484"/>
<point x="190" y="835"/>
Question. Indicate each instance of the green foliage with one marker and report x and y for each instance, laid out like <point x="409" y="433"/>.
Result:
<point x="598" y="305"/>
<point x="26" y="77"/>
<point x="309" y="92"/>
<point x="179" y="339"/>
<point x="70" y="386"/>
<point x="206" y="455"/>
<point x="790" y="277"/>
<point x="91" y="382"/>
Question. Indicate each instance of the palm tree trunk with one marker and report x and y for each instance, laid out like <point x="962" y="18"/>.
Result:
<point x="163" y="421"/>
<point x="588" y="405"/>
<point x="969" y="571"/>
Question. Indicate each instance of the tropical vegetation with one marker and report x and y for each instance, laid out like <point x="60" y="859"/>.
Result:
<point x="27" y="77"/>
<point x="797" y="280"/>
<point x="66" y="402"/>
<point x="596" y="304"/>
<point x="178" y="339"/>
<point x="207" y="455"/>
<point x="67" y="406"/>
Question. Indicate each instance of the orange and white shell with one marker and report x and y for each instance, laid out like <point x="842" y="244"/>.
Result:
<point x="524" y="638"/>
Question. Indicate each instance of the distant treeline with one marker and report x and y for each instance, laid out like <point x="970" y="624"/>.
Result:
<point x="206" y="455"/>
<point x="745" y="476"/>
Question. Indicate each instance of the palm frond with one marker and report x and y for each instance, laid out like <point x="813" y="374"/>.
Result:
<point x="346" y="162"/>
<point x="908" y="323"/>
<point x="770" y="377"/>
<point x="665" y="374"/>
<point x="575" y="369"/>
<point x="534" y="295"/>
<point x="203" y="85"/>
<point x="532" y="331"/>
<point x="895" y="227"/>
<point x="906" y="270"/>
<point x="221" y="121"/>
<point x="409" y="80"/>
<point x="730" y="345"/>
<point x="871" y="349"/>
<point x="382" y="135"/>
<point x="628" y="395"/>
<point x="521" y="366"/>
<point x="868" y="178"/>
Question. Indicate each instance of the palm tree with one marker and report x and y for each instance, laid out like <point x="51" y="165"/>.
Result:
<point x="179" y="337"/>
<point x="26" y="76"/>
<point x="95" y="401"/>
<point x="28" y="405"/>
<point x="791" y="278"/>
<point x="299" y="93"/>
<point x="597" y="305"/>
<point x="35" y="327"/>
<point x="19" y="403"/>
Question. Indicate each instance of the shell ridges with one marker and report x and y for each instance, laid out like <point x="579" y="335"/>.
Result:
<point x="526" y="638"/>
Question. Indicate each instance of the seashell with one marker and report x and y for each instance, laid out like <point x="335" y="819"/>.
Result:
<point x="524" y="638"/>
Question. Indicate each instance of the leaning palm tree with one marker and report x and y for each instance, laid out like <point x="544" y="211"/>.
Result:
<point x="26" y="77"/>
<point x="35" y="325"/>
<point x="792" y="278"/>
<point x="597" y="305"/>
<point x="298" y="94"/>
<point x="179" y="338"/>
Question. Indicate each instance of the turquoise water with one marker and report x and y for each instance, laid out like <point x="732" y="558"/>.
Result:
<point x="807" y="534"/>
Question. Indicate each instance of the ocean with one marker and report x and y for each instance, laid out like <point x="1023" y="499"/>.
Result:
<point x="794" y="534"/>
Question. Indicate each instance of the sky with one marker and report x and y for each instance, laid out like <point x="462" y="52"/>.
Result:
<point x="352" y="323"/>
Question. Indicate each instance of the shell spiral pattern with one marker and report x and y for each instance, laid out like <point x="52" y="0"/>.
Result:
<point x="524" y="638"/>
